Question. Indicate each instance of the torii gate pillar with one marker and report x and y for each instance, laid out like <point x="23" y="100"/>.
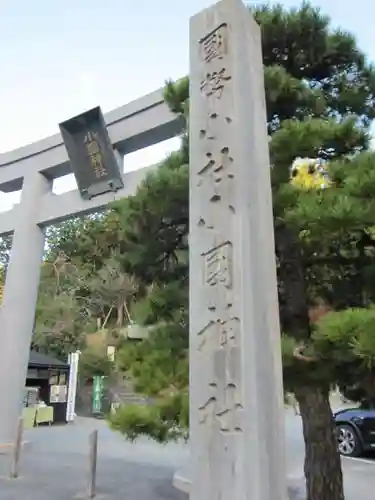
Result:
<point x="18" y="304"/>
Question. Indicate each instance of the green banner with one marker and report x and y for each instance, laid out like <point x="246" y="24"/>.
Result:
<point x="97" y="394"/>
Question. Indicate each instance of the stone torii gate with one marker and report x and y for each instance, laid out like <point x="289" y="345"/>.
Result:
<point x="33" y="168"/>
<point x="236" y="400"/>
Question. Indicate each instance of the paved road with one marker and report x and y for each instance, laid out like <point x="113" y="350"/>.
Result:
<point x="359" y="475"/>
<point x="54" y="465"/>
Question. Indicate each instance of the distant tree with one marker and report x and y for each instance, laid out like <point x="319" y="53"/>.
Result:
<point x="90" y="239"/>
<point x="61" y="320"/>
<point x="94" y="363"/>
<point x="111" y="292"/>
<point x="83" y="291"/>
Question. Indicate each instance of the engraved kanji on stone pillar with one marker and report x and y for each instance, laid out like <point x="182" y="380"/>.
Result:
<point x="218" y="265"/>
<point x="217" y="170"/>
<point x="235" y="368"/>
<point x="223" y="403"/>
<point x="215" y="44"/>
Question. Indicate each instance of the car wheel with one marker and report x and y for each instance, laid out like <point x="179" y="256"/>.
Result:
<point x="348" y="442"/>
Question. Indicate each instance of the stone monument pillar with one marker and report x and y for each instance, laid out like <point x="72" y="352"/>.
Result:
<point x="17" y="312"/>
<point x="236" y="394"/>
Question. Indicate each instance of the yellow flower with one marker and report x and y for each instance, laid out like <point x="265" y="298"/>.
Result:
<point x="309" y="173"/>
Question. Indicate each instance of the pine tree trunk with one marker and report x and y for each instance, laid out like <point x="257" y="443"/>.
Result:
<point x="120" y="313"/>
<point x="322" y="461"/>
<point x="323" y="472"/>
<point x="294" y="311"/>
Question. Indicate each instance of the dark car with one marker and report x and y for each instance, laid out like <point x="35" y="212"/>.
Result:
<point x="355" y="431"/>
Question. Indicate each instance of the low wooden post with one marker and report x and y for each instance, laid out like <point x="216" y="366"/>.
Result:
<point x="16" y="451"/>
<point x="93" y="458"/>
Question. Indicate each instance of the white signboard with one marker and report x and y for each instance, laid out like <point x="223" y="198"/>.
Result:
<point x="58" y="394"/>
<point x="72" y="387"/>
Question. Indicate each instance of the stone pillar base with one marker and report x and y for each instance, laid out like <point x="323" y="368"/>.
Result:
<point x="296" y="487"/>
<point x="181" y="482"/>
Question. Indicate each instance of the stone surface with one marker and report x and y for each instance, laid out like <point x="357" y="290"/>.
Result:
<point x="295" y="488"/>
<point x="236" y="402"/>
<point x="18" y="304"/>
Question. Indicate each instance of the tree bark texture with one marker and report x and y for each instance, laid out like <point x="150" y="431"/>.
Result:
<point x="120" y="313"/>
<point x="323" y="472"/>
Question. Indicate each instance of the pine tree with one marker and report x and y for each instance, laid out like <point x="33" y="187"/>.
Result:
<point x="320" y="103"/>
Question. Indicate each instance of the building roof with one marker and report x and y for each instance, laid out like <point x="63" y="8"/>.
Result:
<point x="43" y="360"/>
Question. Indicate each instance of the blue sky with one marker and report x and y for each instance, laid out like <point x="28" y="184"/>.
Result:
<point x="61" y="57"/>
